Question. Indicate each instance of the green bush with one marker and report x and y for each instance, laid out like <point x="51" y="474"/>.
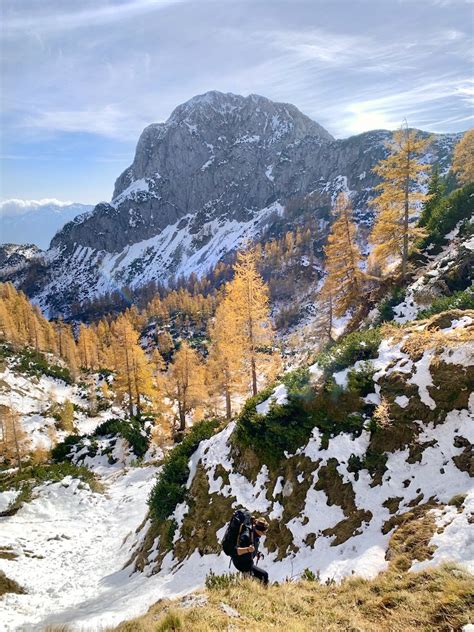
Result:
<point x="450" y="210"/>
<point x="170" y="488"/>
<point x="308" y="575"/>
<point x="219" y="582"/>
<point x="170" y="531"/>
<point x="130" y="429"/>
<point x="358" y="345"/>
<point x="437" y="189"/>
<point x="372" y="461"/>
<point x="35" y="363"/>
<point x="296" y="380"/>
<point x="286" y="427"/>
<point x="458" y="300"/>
<point x="386" y="312"/>
<point x="335" y="410"/>
<point x="361" y="380"/>
<point x="62" y="450"/>
<point x="46" y="473"/>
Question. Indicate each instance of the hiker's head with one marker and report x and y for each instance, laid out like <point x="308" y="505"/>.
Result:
<point x="260" y="525"/>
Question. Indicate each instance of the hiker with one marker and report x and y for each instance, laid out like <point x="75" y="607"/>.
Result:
<point x="241" y="542"/>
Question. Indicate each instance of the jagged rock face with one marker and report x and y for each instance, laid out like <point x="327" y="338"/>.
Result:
<point x="216" y="156"/>
<point x="213" y="176"/>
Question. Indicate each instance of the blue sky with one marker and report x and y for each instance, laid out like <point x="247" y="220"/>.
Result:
<point x="81" y="78"/>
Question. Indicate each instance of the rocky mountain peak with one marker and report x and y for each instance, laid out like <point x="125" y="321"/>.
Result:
<point x="219" y="172"/>
<point x="272" y="120"/>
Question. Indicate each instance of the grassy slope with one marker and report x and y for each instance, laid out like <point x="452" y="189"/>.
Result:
<point x="436" y="599"/>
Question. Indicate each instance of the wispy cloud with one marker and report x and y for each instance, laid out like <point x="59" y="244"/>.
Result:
<point x="89" y="76"/>
<point x="388" y="111"/>
<point x="99" y="15"/>
<point x="106" y="121"/>
<point x="15" y="206"/>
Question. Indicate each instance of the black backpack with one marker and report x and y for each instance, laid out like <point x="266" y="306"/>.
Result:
<point x="240" y="519"/>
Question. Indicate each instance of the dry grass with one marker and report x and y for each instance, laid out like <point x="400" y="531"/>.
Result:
<point x="8" y="585"/>
<point x="426" y="334"/>
<point x="436" y="599"/>
<point x="7" y="553"/>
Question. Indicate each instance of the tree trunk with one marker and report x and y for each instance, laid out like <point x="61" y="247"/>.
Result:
<point x="15" y="437"/>
<point x="406" y="218"/>
<point x="330" y="324"/>
<point x="254" y="376"/>
<point x="182" y="417"/>
<point x="228" y="404"/>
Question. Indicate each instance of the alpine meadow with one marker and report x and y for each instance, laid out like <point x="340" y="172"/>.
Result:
<point x="238" y="394"/>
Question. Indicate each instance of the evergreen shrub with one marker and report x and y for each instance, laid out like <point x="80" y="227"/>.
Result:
<point x="358" y="345"/>
<point x="130" y="429"/>
<point x="296" y="380"/>
<point x="372" y="461"/>
<point x="61" y="451"/>
<point x="286" y="427"/>
<point x="170" y="488"/>
<point x="47" y="473"/>
<point x="449" y="211"/>
<point x="36" y="364"/>
<point x="361" y="380"/>
<point x="458" y="300"/>
<point x="386" y="312"/>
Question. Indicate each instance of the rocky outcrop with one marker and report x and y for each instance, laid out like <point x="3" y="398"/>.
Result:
<point x="14" y="257"/>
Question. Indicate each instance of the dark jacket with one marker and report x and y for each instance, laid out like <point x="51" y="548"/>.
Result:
<point x="247" y="537"/>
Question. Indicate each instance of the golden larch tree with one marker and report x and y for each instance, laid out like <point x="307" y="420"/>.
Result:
<point x="88" y="348"/>
<point x="343" y="259"/>
<point x="134" y="373"/>
<point x="463" y="158"/>
<point x="248" y="297"/>
<point x="226" y="357"/>
<point x="186" y="382"/>
<point x="14" y="441"/>
<point x="399" y="198"/>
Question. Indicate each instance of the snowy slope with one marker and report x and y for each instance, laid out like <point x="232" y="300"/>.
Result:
<point x="430" y="281"/>
<point x="71" y="545"/>
<point x="33" y="398"/>
<point x="170" y="253"/>
<point x="73" y="560"/>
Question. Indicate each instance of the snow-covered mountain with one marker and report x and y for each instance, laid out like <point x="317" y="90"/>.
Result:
<point x="217" y="173"/>
<point x="14" y="257"/>
<point x="36" y="221"/>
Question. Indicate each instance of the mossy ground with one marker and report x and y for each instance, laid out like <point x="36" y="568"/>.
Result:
<point x="204" y="509"/>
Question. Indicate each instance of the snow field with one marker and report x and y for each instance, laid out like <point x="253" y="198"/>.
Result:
<point x="72" y="545"/>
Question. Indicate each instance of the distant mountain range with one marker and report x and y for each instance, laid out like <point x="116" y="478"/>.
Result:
<point x="36" y="221"/>
<point x="220" y="171"/>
